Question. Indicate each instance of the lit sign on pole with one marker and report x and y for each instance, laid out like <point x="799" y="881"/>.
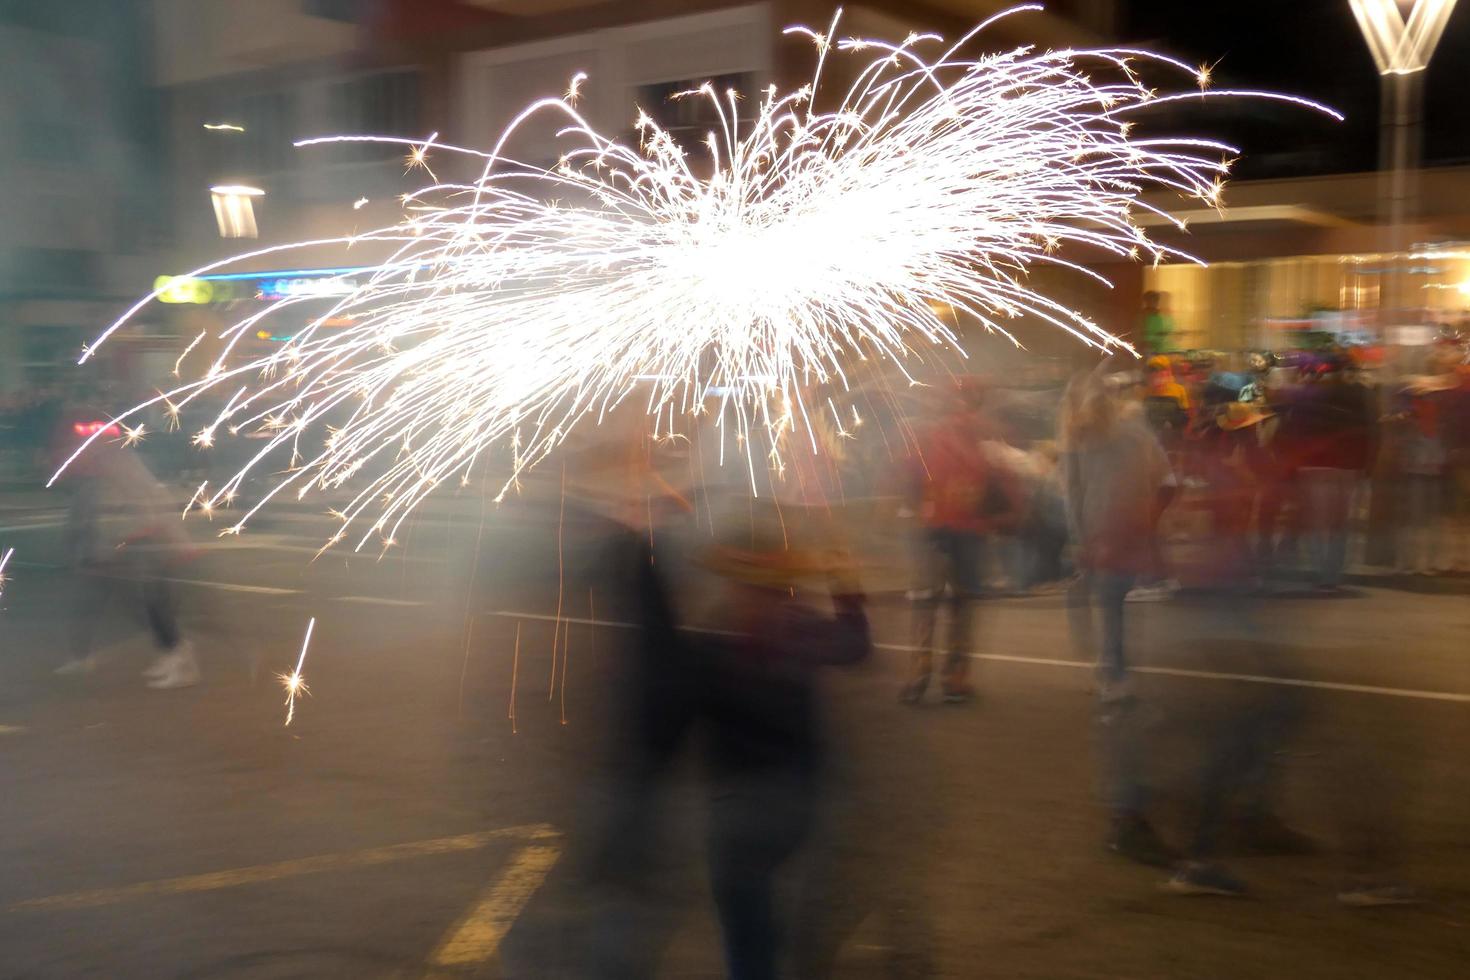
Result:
<point x="270" y="286"/>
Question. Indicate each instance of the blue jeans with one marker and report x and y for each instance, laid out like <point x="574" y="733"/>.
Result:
<point x="949" y="562"/>
<point x="1118" y="724"/>
<point x="1106" y="590"/>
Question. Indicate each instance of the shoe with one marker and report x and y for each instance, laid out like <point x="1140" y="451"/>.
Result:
<point x="182" y="670"/>
<point x="1269" y="836"/>
<point x="160" y="667"/>
<point x="959" y="693"/>
<point x="1372" y="896"/>
<point x="1197" y="878"/>
<point x="1161" y="592"/>
<point x="913" y="691"/>
<point x="1132" y="837"/>
<point x="76" y="667"/>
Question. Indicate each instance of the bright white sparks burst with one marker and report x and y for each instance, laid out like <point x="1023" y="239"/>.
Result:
<point x="529" y="301"/>
<point x="293" y="682"/>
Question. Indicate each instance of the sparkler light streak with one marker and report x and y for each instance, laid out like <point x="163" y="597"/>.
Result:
<point x="530" y="301"/>
<point x="293" y="682"/>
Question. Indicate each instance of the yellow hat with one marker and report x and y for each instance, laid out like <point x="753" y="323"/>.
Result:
<point x="1241" y="415"/>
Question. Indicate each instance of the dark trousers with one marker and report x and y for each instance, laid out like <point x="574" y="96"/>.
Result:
<point x="949" y="573"/>
<point x="95" y="590"/>
<point x="751" y="836"/>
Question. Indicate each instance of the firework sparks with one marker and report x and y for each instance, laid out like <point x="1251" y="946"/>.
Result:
<point x="293" y="682"/>
<point x="529" y="301"/>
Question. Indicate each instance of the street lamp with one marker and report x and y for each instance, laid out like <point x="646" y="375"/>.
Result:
<point x="1402" y="34"/>
<point x="234" y="211"/>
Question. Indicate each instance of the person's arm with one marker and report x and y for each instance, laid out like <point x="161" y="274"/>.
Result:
<point x="839" y="641"/>
<point x="1072" y="492"/>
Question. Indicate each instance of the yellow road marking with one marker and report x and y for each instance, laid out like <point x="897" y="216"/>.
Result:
<point x="237" y="877"/>
<point x="12" y="729"/>
<point x="476" y="937"/>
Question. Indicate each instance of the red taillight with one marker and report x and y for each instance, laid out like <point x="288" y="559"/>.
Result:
<point x="86" y="430"/>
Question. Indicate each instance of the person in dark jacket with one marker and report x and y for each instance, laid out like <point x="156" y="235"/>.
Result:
<point x="729" y="660"/>
<point x="760" y="660"/>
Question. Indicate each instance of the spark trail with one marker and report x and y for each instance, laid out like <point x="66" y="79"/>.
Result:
<point x="734" y="282"/>
<point x="293" y="682"/>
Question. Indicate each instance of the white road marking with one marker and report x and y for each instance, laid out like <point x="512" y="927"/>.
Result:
<point x="234" y="586"/>
<point x="1453" y="697"/>
<point x="37" y="526"/>
<point x="377" y="600"/>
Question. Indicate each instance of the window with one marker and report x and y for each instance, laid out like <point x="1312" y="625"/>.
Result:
<point x="57" y="272"/>
<point x="264" y="147"/>
<point x="385" y="104"/>
<point x="689" y="118"/>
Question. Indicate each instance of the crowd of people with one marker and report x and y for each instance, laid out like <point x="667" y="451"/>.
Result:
<point x="1278" y="477"/>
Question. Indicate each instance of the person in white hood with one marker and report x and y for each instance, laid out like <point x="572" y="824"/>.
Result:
<point x="124" y="530"/>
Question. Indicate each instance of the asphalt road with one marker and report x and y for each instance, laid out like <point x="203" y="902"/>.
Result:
<point x="426" y="811"/>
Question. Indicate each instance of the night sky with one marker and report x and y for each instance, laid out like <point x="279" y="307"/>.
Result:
<point x="1311" y="48"/>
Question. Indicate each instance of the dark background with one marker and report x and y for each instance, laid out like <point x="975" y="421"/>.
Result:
<point x="1311" y="48"/>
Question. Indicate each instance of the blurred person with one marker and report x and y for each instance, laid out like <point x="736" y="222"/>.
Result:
<point x="1160" y="383"/>
<point x="1421" y="410"/>
<point x="1168" y="410"/>
<point x="1117" y="482"/>
<point x="1157" y="325"/>
<point x="763" y="746"/>
<point x="959" y="497"/>
<point x="1239" y="730"/>
<point x="1332" y="425"/>
<point x="1238" y="467"/>
<point x="1039" y="540"/>
<point x="1457" y="465"/>
<point x="729" y="650"/>
<point x="124" y="535"/>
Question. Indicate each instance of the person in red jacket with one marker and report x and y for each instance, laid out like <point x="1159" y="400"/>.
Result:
<point x="958" y="497"/>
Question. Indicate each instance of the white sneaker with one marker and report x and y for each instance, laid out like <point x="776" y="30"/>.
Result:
<point x="182" y="669"/>
<point x="1160" y="592"/>
<point x="76" y="667"/>
<point x="162" y="666"/>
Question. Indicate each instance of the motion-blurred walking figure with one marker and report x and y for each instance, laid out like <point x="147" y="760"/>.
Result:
<point x="124" y="535"/>
<point x="760" y="698"/>
<point x="739" y="680"/>
<point x="1328" y="436"/>
<point x="959" y="497"/>
<point x="1117" y="482"/>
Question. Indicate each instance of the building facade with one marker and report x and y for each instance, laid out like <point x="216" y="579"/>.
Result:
<point x="81" y="213"/>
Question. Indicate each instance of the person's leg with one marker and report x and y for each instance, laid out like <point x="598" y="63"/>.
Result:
<point x="1415" y="517"/>
<point x="1112" y="591"/>
<point x="177" y="665"/>
<point x="159" y="606"/>
<point x="967" y="551"/>
<point x="1268" y="517"/>
<point x="1316" y="491"/>
<point x="743" y="900"/>
<point x="1079" y="615"/>
<point x="750" y="838"/>
<point x="90" y="594"/>
<point x="1343" y="484"/>
<point x="931" y="574"/>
